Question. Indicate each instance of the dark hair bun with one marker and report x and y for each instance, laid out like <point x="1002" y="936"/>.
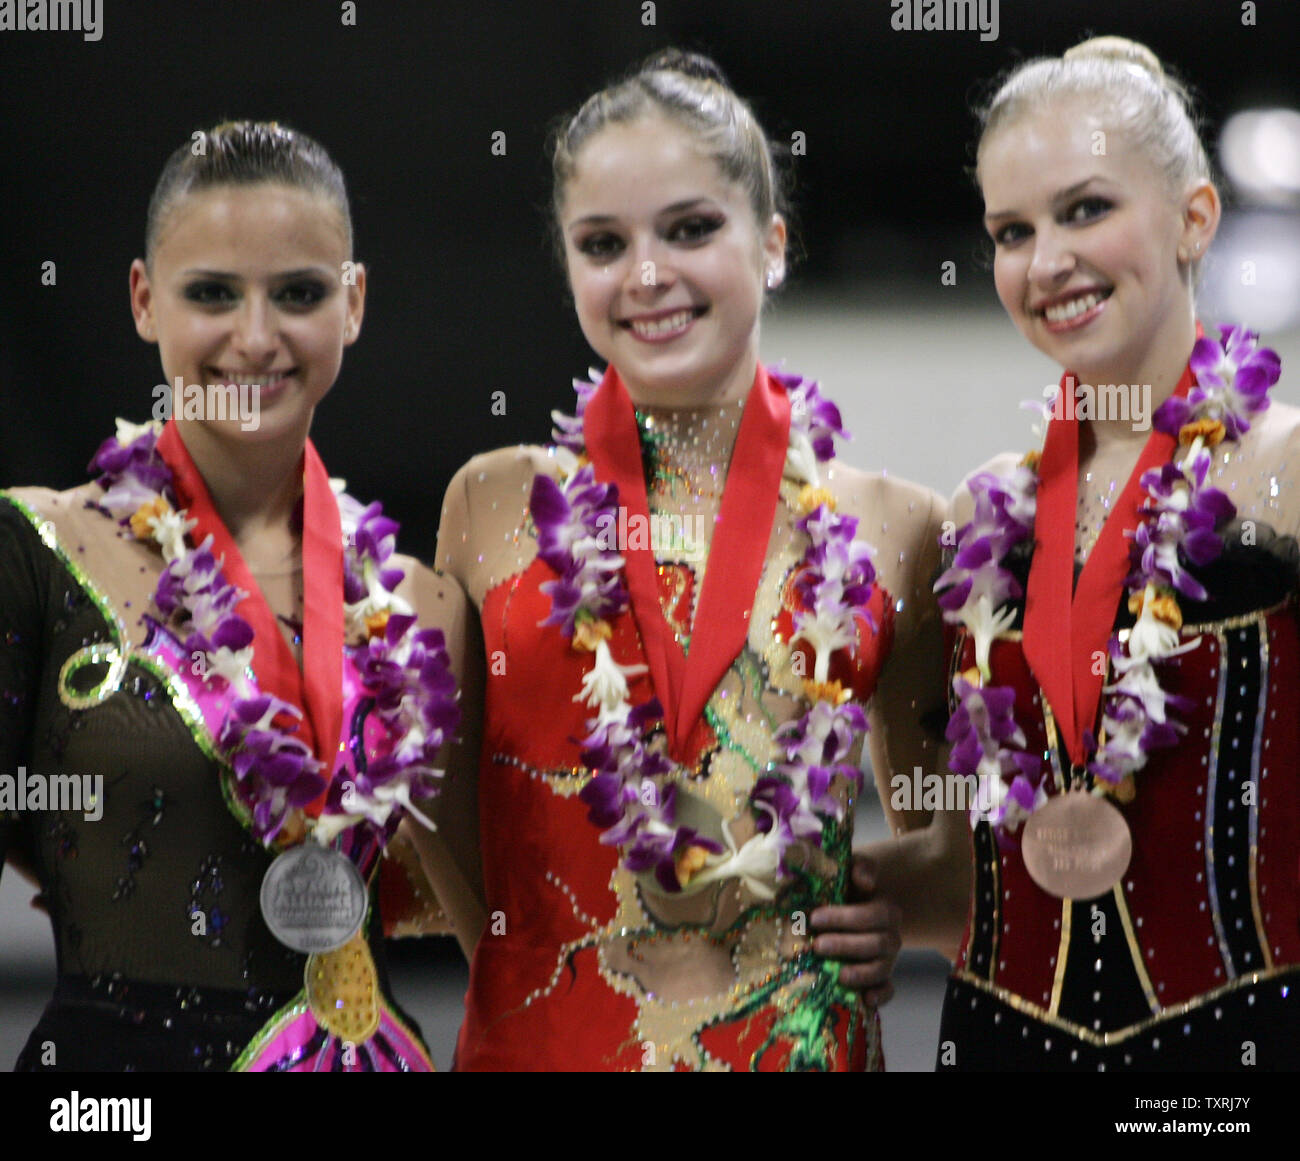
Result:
<point x="691" y="64"/>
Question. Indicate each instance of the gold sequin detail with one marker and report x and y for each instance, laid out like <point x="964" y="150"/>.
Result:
<point x="343" y="990"/>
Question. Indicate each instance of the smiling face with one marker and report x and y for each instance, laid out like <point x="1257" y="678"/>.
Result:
<point x="245" y="286"/>
<point x="1092" y="249"/>
<point x="667" y="264"/>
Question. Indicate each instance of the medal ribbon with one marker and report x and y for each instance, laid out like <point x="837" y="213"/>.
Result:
<point x="317" y="689"/>
<point x="736" y="554"/>
<point x="1082" y="623"/>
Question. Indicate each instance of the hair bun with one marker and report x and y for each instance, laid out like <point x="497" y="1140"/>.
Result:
<point x="691" y="64"/>
<point x="1121" y="49"/>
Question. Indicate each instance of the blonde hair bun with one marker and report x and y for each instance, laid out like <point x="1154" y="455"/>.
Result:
<point x="1121" y="49"/>
<point x="1151" y="105"/>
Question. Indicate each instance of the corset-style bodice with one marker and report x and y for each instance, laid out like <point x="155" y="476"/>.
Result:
<point x="1193" y="960"/>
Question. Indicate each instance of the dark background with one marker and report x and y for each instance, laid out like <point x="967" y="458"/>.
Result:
<point x="464" y="295"/>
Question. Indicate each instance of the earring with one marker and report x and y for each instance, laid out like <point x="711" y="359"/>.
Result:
<point x="772" y="280"/>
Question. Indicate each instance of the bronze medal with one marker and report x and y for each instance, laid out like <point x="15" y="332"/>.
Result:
<point x="1076" y="845"/>
<point x="313" y="898"/>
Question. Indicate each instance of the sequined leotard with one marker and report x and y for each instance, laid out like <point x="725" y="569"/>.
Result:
<point x="142" y="984"/>
<point x="584" y="965"/>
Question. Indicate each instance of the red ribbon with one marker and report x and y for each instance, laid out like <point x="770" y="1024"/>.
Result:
<point x="317" y="689"/>
<point x="736" y="554"/>
<point x="1064" y="633"/>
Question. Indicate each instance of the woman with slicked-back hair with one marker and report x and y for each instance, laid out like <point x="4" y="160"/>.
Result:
<point x="1127" y="650"/>
<point x="222" y="647"/>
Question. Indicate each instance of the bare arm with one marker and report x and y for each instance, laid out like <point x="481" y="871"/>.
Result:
<point x="450" y="855"/>
<point x="925" y="870"/>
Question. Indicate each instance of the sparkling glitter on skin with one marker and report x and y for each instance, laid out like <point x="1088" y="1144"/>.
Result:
<point x="687" y="454"/>
<point x="1256" y="478"/>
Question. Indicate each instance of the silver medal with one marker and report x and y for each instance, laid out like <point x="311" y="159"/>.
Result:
<point x="313" y="898"/>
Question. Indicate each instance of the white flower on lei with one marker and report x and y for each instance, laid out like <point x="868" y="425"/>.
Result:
<point x="127" y="432"/>
<point x="801" y="459"/>
<point x="757" y="864"/>
<point x="604" y="685"/>
<point x="170" y="530"/>
<point x="233" y="665"/>
<point x="983" y="622"/>
<point x="1150" y="639"/>
<point x="826" y="632"/>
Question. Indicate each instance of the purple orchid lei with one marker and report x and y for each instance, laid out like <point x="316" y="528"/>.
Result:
<point x="405" y="669"/>
<point x="629" y="795"/>
<point x="1179" y="522"/>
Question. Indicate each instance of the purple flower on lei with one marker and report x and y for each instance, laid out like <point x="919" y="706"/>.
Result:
<point x="1003" y="517"/>
<point x="986" y="748"/>
<point x="577" y="526"/>
<point x="407" y="669"/>
<point x="1181" y="514"/>
<point x="1233" y="377"/>
<point x="655" y="840"/>
<point x="276" y="770"/>
<point x="839" y="571"/>
<point x="375" y="540"/>
<point x="567" y="431"/>
<point x="983" y="730"/>
<point x="627" y="800"/>
<point x="793" y="801"/>
<point x="812" y="413"/>
<point x="783" y="810"/>
<point x="130" y="473"/>
<point x="196" y="572"/>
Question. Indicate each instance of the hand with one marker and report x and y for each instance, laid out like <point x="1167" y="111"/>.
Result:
<point x="865" y="935"/>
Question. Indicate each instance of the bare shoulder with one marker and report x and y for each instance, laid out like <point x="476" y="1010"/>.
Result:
<point x="962" y="506"/>
<point x="501" y="467"/>
<point x="49" y="503"/>
<point x="420" y="583"/>
<point x="437" y="599"/>
<point x="1268" y="466"/>
<point x="901" y="520"/>
<point x="483" y="510"/>
<point x="71" y="515"/>
<point x="878" y="494"/>
<point x="1279" y="427"/>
